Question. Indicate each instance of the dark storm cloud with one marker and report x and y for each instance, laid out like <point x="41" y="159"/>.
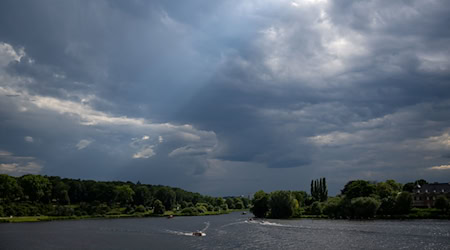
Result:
<point x="208" y="94"/>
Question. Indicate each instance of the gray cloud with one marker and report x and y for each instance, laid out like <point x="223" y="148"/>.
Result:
<point x="227" y="93"/>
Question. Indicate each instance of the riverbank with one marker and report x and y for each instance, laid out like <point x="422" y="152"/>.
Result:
<point x="41" y="218"/>
<point x="416" y="213"/>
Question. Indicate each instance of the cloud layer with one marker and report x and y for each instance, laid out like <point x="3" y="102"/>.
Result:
<point x="226" y="97"/>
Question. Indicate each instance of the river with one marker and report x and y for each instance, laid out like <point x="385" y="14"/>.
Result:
<point x="232" y="231"/>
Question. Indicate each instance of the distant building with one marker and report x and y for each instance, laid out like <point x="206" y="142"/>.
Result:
<point x="425" y="195"/>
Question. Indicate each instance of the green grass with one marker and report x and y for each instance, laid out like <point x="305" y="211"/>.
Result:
<point x="110" y="215"/>
<point x="39" y="218"/>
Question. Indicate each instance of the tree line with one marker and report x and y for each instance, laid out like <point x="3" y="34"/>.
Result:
<point x="358" y="199"/>
<point x="31" y="195"/>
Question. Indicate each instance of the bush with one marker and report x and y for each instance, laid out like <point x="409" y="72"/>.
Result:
<point x="442" y="203"/>
<point x="404" y="203"/>
<point x="204" y="207"/>
<point x="102" y="209"/>
<point x="239" y="205"/>
<point x="298" y="212"/>
<point x="140" y="209"/>
<point x="316" y="208"/>
<point x="332" y="207"/>
<point x="63" y="211"/>
<point x="189" y="211"/>
<point x="364" y="207"/>
<point x="387" y="206"/>
<point x="24" y="209"/>
<point x="224" y="207"/>
<point x="260" y="204"/>
<point x="201" y="209"/>
<point x="158" y="207"/>
<point x="84" y="209"/>
<point x="114" y="211"/>
<point x="281" y="204"/>
<point x="130" y="209"/>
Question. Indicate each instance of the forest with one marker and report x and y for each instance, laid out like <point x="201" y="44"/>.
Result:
<point x="359" y="199"/>
<point x="36" y="195"/>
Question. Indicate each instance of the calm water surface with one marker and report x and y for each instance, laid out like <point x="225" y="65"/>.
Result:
<point x="232" y="231"/>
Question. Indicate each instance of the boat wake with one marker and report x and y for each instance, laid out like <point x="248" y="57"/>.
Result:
<point x="195" y="233"/>
<point x="180" y="233"/>
<point x="206" y="227"/>
<point x="266" y="223"/>
<point x="233" y="223"/>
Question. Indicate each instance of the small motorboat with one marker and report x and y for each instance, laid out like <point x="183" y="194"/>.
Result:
<point x="198" y="233"/>
<point x="170" y="217"/>
<point x="244" y="213"/>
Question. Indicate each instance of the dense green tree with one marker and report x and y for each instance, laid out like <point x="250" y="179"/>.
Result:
<point x="403" y="203"/>
<point x="124" y="194"/>
<point x="442" y="203"/>
<point x="142" y="195"/>
<point x="36" y="187"/>
<point x="237" y="203"/>
<point x="104" y="192"/>
<point x="102" y="209"/>
<point x="167" y="196"/>
<point x="201" y="207"/>
<point x="364" y="207"/>
<point x="184" y="204"/>
<point x="230" y="202"/>
<point x="387" y="206"/>
<point x="77" y="191"/>
<point x="420" y="182"/>
<point x="281" y="204"/>
<point x="316" y="208"/>
<point x="9" y="188"/>
<point x="396" y="187"/>
<point x="87" y="197"/>
<point x="384" y="190"/>
<point x="219" y="201"/>
<point x="408" y="187"/>
<point x="345" y="208"/>
<point x="195" y="197"/>
<point x="158" y="207"/>
<point x="358" y="188"/>
<point x="300" y="196"/>
<point x="60" y="192"/>
<point x="332" y="207"/>
<point x="260" y="203"/>
<point x="309" y="200"/>
<point x="189" y="211"/>
<point x="246" y="202"/>
<point x="224" y="207"/>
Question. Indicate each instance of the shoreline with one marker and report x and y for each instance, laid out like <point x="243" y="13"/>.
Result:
<point x="44" y="218"/>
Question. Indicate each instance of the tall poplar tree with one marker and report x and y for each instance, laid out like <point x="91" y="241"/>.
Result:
<point x="319" y="190"/>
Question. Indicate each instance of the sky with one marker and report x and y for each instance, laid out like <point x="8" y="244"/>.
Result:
<point x="226" y="97"/>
